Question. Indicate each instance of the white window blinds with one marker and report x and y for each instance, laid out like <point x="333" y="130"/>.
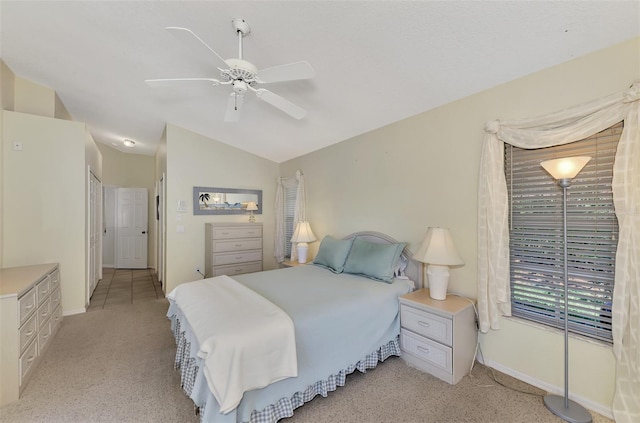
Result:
<point x="536" y="236"/>
<point x="290" y="195"/>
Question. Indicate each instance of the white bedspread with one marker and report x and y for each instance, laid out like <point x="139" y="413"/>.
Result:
<point x="239" y="354"/>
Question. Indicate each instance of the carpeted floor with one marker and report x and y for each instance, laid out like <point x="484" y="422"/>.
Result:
<point x="115" y="364"/>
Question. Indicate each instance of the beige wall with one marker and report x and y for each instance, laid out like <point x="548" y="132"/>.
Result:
<point x="160" y="174"/>
<point x="44" y="199"/>
<point x="34" y="99"/>
<point x="423" y="171"/>
<point x="194" y="160"/>
<point x="125" y="170"/>
<point x="7" y="83"/>
<point x="44" y="187"/>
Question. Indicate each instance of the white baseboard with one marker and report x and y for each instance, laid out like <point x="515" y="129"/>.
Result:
<point x="72" y="312"/>
<point x="585" y="402"/>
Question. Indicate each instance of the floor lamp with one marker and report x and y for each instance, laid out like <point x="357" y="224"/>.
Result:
<point x="563" y="171"/>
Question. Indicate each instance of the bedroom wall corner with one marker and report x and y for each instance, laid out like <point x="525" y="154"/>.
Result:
<point x="195" y="160"/>
<point x="423" y="171"/>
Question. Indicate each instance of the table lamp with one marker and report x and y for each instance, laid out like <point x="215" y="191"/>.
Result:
<point x="301" y="236"/>
<point x="438" y="252"/>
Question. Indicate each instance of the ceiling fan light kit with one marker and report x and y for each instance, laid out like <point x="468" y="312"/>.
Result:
<point x="243" y="76"/>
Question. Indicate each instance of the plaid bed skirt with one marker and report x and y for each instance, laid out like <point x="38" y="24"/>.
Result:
<point x="284" y="406"/>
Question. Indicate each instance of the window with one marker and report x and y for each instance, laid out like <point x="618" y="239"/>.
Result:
<point x="536" y="236"/>
<point x="290" y="195"/>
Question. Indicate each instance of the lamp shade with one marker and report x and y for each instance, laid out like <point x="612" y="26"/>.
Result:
<point x="251" y="206"/>
<point x="565" y="168"/>
<point x="303" y="233"/>
<point x="438" y="248"/>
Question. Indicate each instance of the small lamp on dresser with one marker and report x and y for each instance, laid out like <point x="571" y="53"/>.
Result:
<point x="302" y="235"/>
<point x="252" y="206"/>
<point x="438" y="252"/>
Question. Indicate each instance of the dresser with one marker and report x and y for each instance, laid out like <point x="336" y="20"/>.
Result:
<point x="438" y="336"/>
<point x="232" y="248"/>
<point x="30" y="315"/>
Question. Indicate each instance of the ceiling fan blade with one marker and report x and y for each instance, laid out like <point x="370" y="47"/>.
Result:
<point x="188" y="35"/>
<point x="281" y="103"/>
<point x="288" y="72"/>
<point x="174" y="81"/>
<point x="233" y="108"/>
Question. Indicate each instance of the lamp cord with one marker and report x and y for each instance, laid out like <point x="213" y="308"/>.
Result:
<point x="478" y="349"/>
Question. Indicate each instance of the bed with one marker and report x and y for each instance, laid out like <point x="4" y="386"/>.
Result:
<point x="344" y="312"/>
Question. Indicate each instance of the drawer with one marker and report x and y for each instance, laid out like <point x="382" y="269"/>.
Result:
<point x="55" y="279"/>
<point x="27" y="304"/>
<point x="426" y="324"/>
<point x="56" y="317"/>
<point x="237" y="245"/>
<point x="44" y="312"/>
<point x="28" y="331"/>
<point x="237" y="269"/>
<point x="239" y="257"/>
<point x="55" y="298"/>
<point x="44" y="335"/>
<point x="43" y="289"/>
<point x="230" y="233"/>
<point x="431" y="352"/>
<point x="27" y="359"/>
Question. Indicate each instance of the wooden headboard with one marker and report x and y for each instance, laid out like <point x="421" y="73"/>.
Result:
<point x="414" y="269"/>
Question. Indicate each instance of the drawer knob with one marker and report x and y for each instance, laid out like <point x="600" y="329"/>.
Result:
<point x="29" y="307"/>
<point x="423" y="349"/>
<point x="238" y="245"/>
<point x="29" y="333"/>
<point x="31" y="358"/>
<point x="425" y="324"/>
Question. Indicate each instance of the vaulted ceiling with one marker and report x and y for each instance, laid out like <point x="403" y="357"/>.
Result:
<point x="376" y="62"/>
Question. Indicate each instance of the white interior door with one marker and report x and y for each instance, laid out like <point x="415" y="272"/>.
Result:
<point x="95" y="232"/>
<point x="160" y="231"/>
<point x="131" y="228"/>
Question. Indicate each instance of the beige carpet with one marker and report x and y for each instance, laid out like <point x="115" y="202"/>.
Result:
<point x="115" y="364"/>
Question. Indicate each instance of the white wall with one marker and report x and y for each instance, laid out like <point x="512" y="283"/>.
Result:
<point x="195" y="160"/>
<point x="423" y="171"/>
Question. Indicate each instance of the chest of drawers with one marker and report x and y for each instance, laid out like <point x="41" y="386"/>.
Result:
<point x="30" y="315"/>
<point x="438" y="336"/>
<point x="233" y="248"/>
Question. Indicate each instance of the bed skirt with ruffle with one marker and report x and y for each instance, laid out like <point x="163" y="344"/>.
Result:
<point x="186" y="362"/>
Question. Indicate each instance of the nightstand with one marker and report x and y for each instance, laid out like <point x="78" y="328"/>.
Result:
<point x="438" y="337"/>
<point x="289" y="263"/>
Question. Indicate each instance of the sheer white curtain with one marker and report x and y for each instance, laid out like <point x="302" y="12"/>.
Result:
<point x="493" y="231"/>
<point x="298" y="216"/>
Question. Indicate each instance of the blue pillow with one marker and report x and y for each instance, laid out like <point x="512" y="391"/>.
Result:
<point x="373" y="260"/>
<point x="333" y="253"/>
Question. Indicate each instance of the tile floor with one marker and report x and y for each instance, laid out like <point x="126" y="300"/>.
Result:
<point x="125" y="286"/>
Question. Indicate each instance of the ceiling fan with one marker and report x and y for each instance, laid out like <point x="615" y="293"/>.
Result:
<point x="243" y="76"/>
